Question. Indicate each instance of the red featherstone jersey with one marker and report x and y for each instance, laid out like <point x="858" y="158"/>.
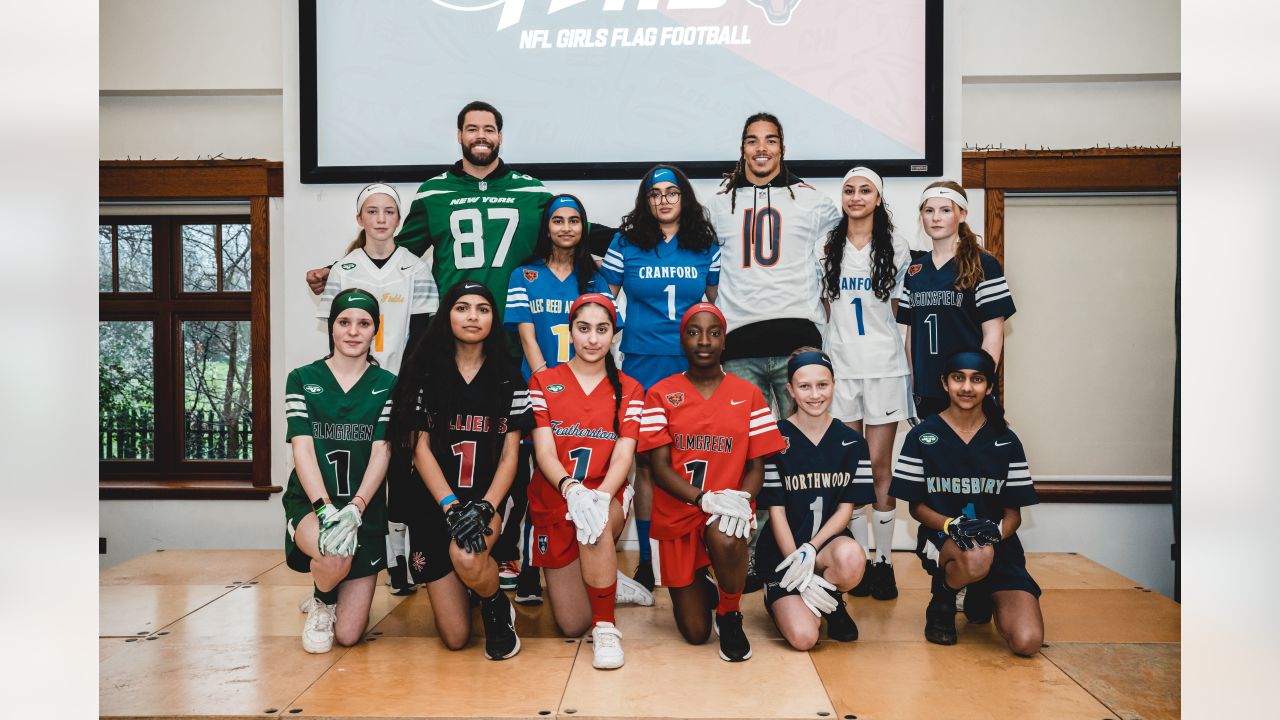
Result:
<point x="711" y="442"/>
<point x="582" y="424"/>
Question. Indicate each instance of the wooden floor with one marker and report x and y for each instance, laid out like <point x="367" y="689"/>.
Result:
<point x="194" y="634"/>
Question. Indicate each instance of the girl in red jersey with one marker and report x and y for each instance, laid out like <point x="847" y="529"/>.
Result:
<point x="707" y="433"/>
<point x="587" y="417"/>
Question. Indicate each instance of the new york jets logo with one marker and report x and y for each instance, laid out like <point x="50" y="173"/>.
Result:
<point x="313" y="388"/>
<point x="555" y="388"/>
<point x="348" y="266"/>
<point x="928" y="439"/>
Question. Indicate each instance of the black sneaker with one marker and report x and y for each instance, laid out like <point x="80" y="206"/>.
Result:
<point x="500" y="639"/>
<point x="734" y="646"/>
<point x="753" y="583"/>
<point x="399" y="574"/>
<point x="940" y="621"/>
<point x="884" y="586"/>
<point x="529" y="587"/>
<point x="644" y="575"/>
<point x="863" y="588"/>
<point x="977" y="605"/>
<point x="840" y="625"/>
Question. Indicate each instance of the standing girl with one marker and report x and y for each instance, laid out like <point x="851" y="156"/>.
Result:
<point x="588" y="419"/>
<point x="461" y="407"/>
<point x="666" y="258"/>
<point x="337" y="410"/>
<point x="863" y="266"/>
<point x="954" y="296"/>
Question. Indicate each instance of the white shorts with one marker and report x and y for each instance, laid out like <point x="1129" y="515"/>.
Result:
<point x="875" y="401"/>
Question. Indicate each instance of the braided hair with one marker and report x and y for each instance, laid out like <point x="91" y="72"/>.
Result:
<point x="734" y="177"/>
<point x="968" y="251"/>
<point x="883" y="271"/>
<point x="610" y="371"/>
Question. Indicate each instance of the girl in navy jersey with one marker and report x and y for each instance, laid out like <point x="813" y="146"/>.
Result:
<point x="588" y="419"/>
<point x="806" y="554"/>
<point x="954" y="296"/>
<point x="461" y="407"/>
<point x="966" y="476"/>
<point x="665" y="256"/>
<point x="863" y="266"/>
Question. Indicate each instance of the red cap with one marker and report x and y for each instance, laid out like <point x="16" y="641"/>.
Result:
<point x="703" y="307"/>
<point x="599" y="299"/>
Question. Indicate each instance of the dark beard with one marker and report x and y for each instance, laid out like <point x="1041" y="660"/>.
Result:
<point x="471" y="157"/>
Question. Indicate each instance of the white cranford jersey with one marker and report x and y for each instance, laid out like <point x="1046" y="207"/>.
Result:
<point x="771" y="245"/>
<point x="403" y="286"/>
<point x="863" y="339"/>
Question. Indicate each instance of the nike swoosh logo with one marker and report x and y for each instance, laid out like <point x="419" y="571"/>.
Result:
<point x="1002" y="444"/>
<point x="847" y="444"/>
<point x="379" y="392"/>
<point x="373" y="561"/>
<point x="891" y="412"/>
<point x="736" y="402"/>
<point x="885" y="522"/>
<point x="406" y="268"/>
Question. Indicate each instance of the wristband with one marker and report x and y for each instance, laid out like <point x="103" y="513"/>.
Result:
<point x="560" y="484"/>
<point x="450" y="498"/>
<point x="364" y="504"/>
<point x="319" y="504"/>
<point x="572" y="481"/>
<point x="946" y="524"/>
<point x="697" y="502"/>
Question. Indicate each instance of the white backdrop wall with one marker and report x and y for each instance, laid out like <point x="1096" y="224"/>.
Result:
<point x="198" y="108"/>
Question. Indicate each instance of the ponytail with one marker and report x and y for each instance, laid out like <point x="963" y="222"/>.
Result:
<point x="615" y="382"/>
<point x="356" y="244"/>
<point x="994" y="412"/>
<point x="968" y="260"/>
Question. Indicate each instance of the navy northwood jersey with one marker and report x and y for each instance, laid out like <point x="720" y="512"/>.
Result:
<point x="474" y="434"/>
<point x="943" y="319"/>
<point x="812" y="481"/>
<point x="978" y="479"/>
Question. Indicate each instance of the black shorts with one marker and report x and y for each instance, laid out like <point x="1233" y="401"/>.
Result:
<point x="428" y="541"/>
<point x="370" y="556"/>
<point x="405" y="489"/>
<point x="769" y="559"/>
<point x="1008" y="569"/>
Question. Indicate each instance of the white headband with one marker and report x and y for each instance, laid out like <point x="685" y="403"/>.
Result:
<point x="374" y="189"/>
<point x="944" y="192"/>
<point x="865" y="172"/>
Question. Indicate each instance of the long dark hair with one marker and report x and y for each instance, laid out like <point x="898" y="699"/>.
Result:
<point x="883" y="271"/>
<point x="641" y="228"/>
<point x="968" y="252"/>
<point x="733" y="177"/>
<point x="610" y="371"/>
<point x="584" y="267"/>
<point x="423" y="388"/>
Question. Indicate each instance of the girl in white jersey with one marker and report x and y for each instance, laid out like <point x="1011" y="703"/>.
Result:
<point x="408" y="297"/>
<point x="863" y="266"/>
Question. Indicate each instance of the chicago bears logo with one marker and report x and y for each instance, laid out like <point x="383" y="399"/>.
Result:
<point x="787" y="442"/>
<point x="914" y="269"/>
<point x="530" y="275"/>
<point x="542" y="544"/>
<point x="675" y="398"/>
<point x="777" y="12"/>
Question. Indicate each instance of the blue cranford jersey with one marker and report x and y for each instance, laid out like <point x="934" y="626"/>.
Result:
<point x="943" y="319"/>
<point x="660" y="285"/>
<point x="535" y="295"/>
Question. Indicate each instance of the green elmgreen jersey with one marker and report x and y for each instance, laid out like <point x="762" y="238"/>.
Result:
<point x="343" y="426"/>
<point x="480" y="230"/>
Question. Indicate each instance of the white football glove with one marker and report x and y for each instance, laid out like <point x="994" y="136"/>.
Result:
<point x="734" y="526"/>
<point x="326" y="515"/>
<point x="628" y="494"/>
<point x="585" y="512"/>
<point x="733" y="503"/>
<point x="799" y="565"/>
<point x="817" y="598"/>
<point x="341" y="538"/>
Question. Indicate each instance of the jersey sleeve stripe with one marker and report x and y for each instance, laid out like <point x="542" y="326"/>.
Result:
<point x="994" y="298"/>
<point x="772" y="485"/>
<point x="1019" y="483"/>
<point x="304" y="416"/>
<point x="762" y="420"/>
<point x="1019" y="474"/>
<point x="771" y="427"/>
<point x="613" y="260"/>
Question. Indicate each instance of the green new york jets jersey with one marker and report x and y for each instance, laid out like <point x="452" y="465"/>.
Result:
<point x="343" y="426"/>
<point x="479" y="230"/>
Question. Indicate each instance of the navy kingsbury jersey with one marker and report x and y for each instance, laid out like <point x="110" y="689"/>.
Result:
<point x="978" y="480"/>
<point x="944" y="319"/>
<point x="811" y="482"/>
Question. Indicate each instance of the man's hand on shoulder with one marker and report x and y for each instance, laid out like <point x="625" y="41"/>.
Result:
<point x="317" y="278"/>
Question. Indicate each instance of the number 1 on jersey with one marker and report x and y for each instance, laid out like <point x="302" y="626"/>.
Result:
<point x="816" y="507"/>
<point x="562" y="342"/>
<point x="581" y="458"/>
<point x="931" y="321"/>
<point x="697" y="470"/>
<point x="670" y="290"/>
<point x="341" y="462"/>
<point x="465" y="451"/>
<point x="857" y="313"/>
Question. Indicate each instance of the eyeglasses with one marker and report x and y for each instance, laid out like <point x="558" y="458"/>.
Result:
<point x="656" y="197"/>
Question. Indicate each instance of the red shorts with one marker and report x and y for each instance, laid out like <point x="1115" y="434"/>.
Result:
<point x="555" y="545"/>
<point x="676" y="561"/>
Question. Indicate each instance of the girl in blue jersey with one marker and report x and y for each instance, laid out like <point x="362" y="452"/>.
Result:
<point x="966" y="476"/>
<point x="954" y="296"/>
<point x="666" y="258"/>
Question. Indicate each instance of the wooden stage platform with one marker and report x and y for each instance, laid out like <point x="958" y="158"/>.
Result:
<point x="196" y="634"/>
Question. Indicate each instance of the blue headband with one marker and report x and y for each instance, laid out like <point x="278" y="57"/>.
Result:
<point x="971" y="360"/>
<point x="563" y="201"/>
<point x="660" y="175"/>
<point x="810" y="357"/>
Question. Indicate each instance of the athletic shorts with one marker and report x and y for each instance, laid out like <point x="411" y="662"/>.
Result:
<point x="769" y="559"/>
<point x="676" y="562"/>
<point x="649" y="369"/>
<point x="874" y="401"/>
<point x="1008" y="569"/>
<point x="428" y="542"/>
<point x="370" y="556"/>
<point x="556" y="545"/>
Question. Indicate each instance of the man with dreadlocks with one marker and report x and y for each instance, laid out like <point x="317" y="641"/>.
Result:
<point x="769" y="290"/>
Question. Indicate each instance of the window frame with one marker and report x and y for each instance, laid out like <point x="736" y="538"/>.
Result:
<point x="170" y="476"/>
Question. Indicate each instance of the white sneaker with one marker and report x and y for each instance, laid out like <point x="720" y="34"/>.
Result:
<point x="317" y="632"/>
<point x="630" y="591"/>
<point x="606" y="644"/>
<point x="308" y="604"/>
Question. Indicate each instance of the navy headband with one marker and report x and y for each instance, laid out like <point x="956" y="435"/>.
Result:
<point x="971" y="360"/>
<point x="563" y="201"/>
<point x="660" y="175"/>
<point x="810" y="357"/>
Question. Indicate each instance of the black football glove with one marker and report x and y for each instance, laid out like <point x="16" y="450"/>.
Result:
<point x="966" y="532"/>
<point x="473" y="525"/>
